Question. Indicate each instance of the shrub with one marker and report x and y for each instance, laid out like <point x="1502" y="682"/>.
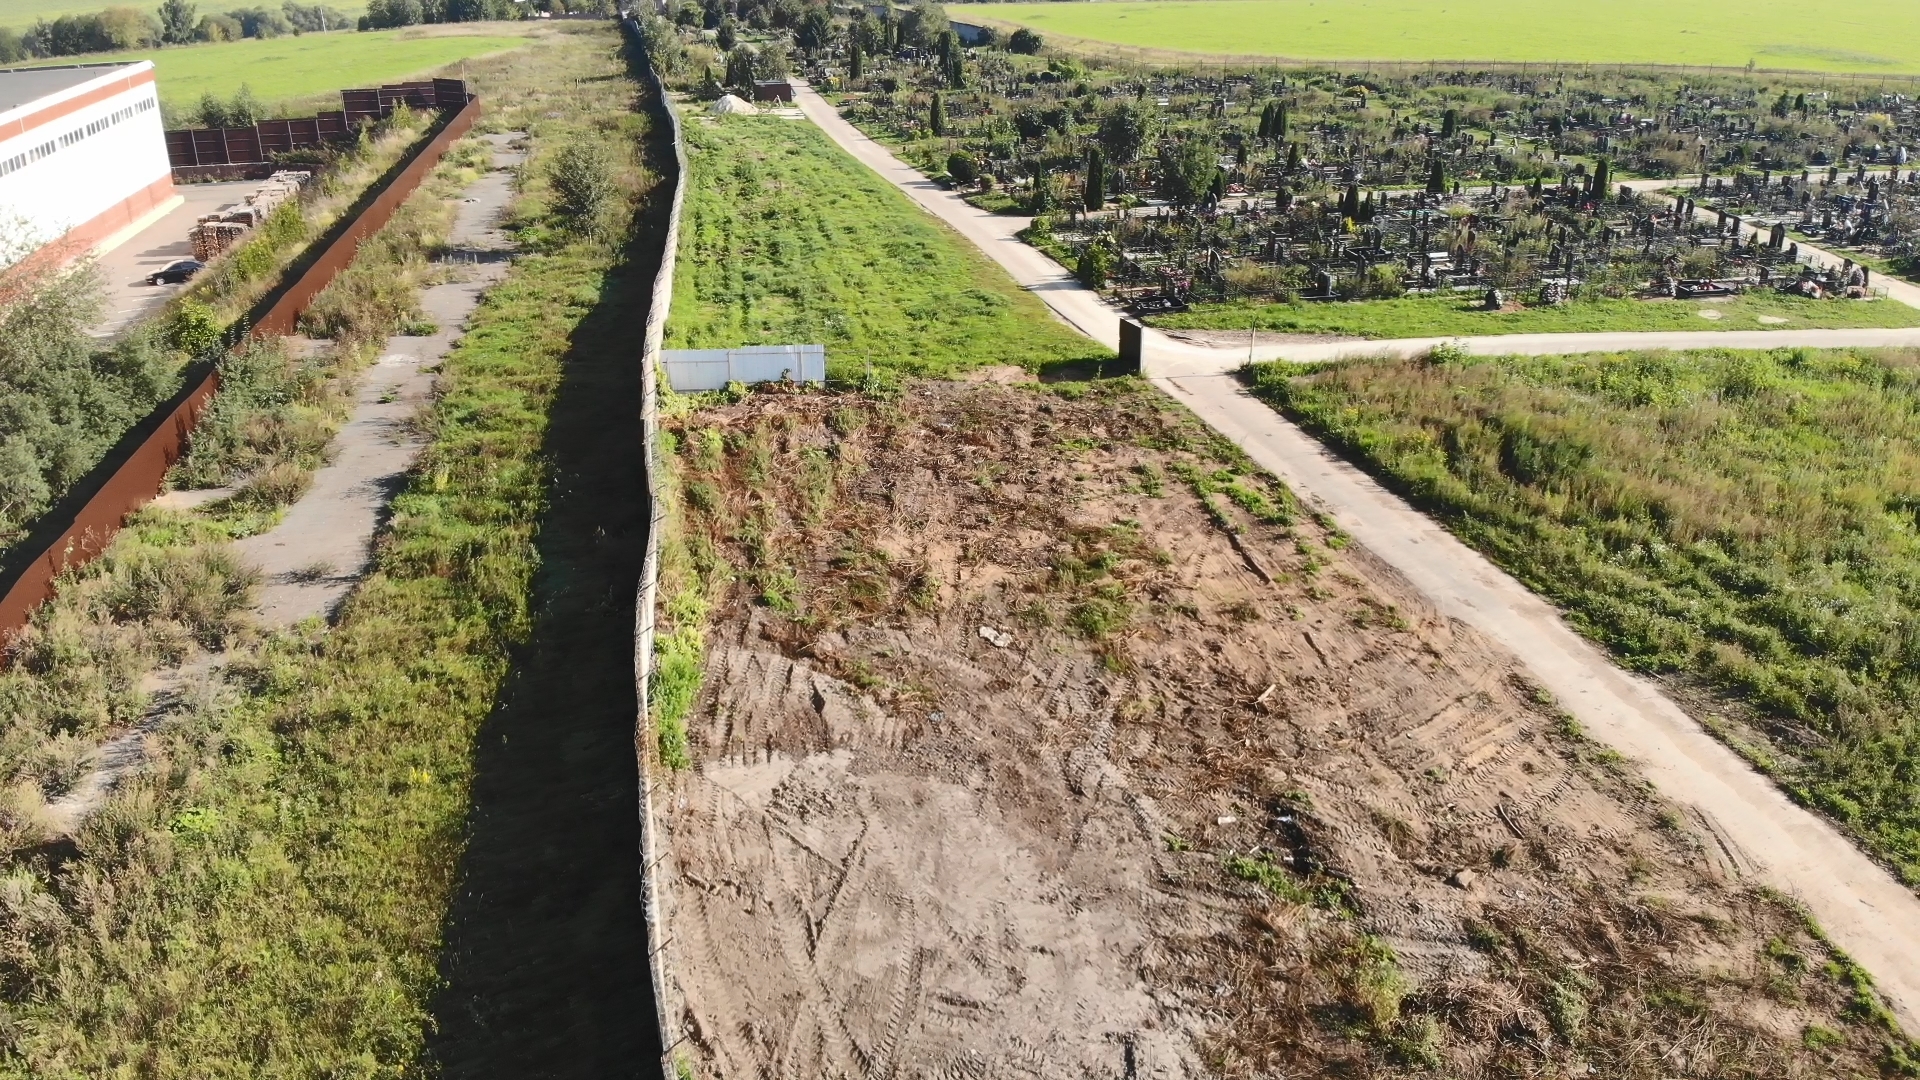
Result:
<point x="1025" y="42"/>
<point x="583" y="186"/>
<point x="961" y="169"/>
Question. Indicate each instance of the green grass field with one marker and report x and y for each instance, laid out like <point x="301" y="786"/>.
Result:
<point x="1433" y="316"/>
<point x="283" y="69"/>
<point x="786" y="239"/>
<point x="1742" y="521"/>
<point x="1873" y="36"/>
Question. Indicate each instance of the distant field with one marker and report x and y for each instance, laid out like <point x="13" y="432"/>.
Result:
<point x="278" y="69"/>
<point x="1870" y="36"/>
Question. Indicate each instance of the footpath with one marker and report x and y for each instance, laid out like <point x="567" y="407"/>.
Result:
<point x="1759" y="833"/>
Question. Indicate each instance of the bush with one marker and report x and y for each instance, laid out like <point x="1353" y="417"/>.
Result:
<point x="64" y="401"/>
<point x="1025" y="42"/>
<point x="961" y="169"/>
<point x="583" y="186"/>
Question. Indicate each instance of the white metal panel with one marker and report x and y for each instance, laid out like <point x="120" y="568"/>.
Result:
<point x="689" y="370"/>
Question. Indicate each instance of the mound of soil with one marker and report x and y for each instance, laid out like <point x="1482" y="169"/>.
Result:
<point x="1042" y="736"/>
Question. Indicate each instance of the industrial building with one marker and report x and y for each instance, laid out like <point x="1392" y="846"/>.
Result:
<point x="83" y="157"/>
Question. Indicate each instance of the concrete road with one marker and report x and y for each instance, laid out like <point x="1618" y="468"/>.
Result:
<point x="125" y="268"/>
<point x="1862" y="906"/>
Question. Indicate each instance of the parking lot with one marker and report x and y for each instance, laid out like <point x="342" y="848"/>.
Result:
<point x="125" y="268"/>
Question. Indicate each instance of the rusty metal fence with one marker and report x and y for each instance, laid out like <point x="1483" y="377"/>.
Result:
<point x="82" y="524"/>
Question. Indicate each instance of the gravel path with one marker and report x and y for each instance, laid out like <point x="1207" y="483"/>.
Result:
<point x="1863" y="907"/>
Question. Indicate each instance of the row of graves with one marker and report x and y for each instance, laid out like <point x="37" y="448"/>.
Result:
<point x="1498" y="247"/>
<point x="1873" y="214"/>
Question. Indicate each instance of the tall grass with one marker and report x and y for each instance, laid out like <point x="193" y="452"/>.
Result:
<point x="1747" y="520"/>
<point x="266" y="897"/>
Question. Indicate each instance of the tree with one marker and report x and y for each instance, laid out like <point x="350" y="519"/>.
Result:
<point x="1123" y="131"/>
<point x="961" y="169"/>
<point x="222" y="28"/>
<point x="177" y="22"/>
<point x="1266" y="121"/>
<point x="1187" y="171"/>
<point x="583" y="187"/>
<point x="710" y="88"/>
<point x="867" y="34"/>
<point x="1280" y="126"/>
<point x="12" y="48"/>
<point x="1025" y="42"/>
<point x="1094" y="266"/>
<point x="923" y="24"/>
<point x="1293" y="156"/>
<point x="740" y="67"/>
<point x="1602" y="177"/>
<point x="212" y="112"/>
<point x="853" y="61"/>
<point x="126" y="28"/>
<point x="386" y="14"/>
<point x="937" y="118"/>
<point x="727" y="35"/>
<point x="815" y="30"/>
<point x="1450" y="123"/>
<point x="1095" y="195"/>
<point x="952" y="60"/>
<point x="1436" y="178"/>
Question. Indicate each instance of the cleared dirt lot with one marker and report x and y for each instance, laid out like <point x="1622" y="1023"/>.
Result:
<point x="1041" y="736"/>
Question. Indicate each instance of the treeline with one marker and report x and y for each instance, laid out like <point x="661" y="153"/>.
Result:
<point x="175" y="22"/>
<point x="179" y="22"/>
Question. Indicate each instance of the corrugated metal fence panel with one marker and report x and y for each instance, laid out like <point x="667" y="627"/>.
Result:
<point x="180" y="148"/>
<point x="689" y="370"/>
<point x="360" y="104"/>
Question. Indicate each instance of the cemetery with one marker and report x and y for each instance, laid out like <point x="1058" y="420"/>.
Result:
<point x="1167" y="189"/>
<point x="1873" y="217"/>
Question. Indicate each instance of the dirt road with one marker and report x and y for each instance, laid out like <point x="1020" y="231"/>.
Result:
<point x="1867" y="911"/>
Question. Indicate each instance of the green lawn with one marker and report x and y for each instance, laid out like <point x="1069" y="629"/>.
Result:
<point x="1746" y="521"/>
<point x="1873" y="36"/>
<point x="281" y="69"/>
<point x="1437" y="316"/>
<point x="786" y="239"/>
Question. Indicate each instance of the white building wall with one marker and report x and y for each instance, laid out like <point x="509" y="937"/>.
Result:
<point x="62" y="174"/>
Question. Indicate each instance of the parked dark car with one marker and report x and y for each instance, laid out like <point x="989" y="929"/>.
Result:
<point x="176" y="272"/>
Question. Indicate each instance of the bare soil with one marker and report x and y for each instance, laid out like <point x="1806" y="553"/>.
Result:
<point x="1042" y="736"/>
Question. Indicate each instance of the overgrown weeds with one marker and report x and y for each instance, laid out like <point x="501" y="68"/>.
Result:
<point x="1743" y="519"/>
<point x="266" y="895"/>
